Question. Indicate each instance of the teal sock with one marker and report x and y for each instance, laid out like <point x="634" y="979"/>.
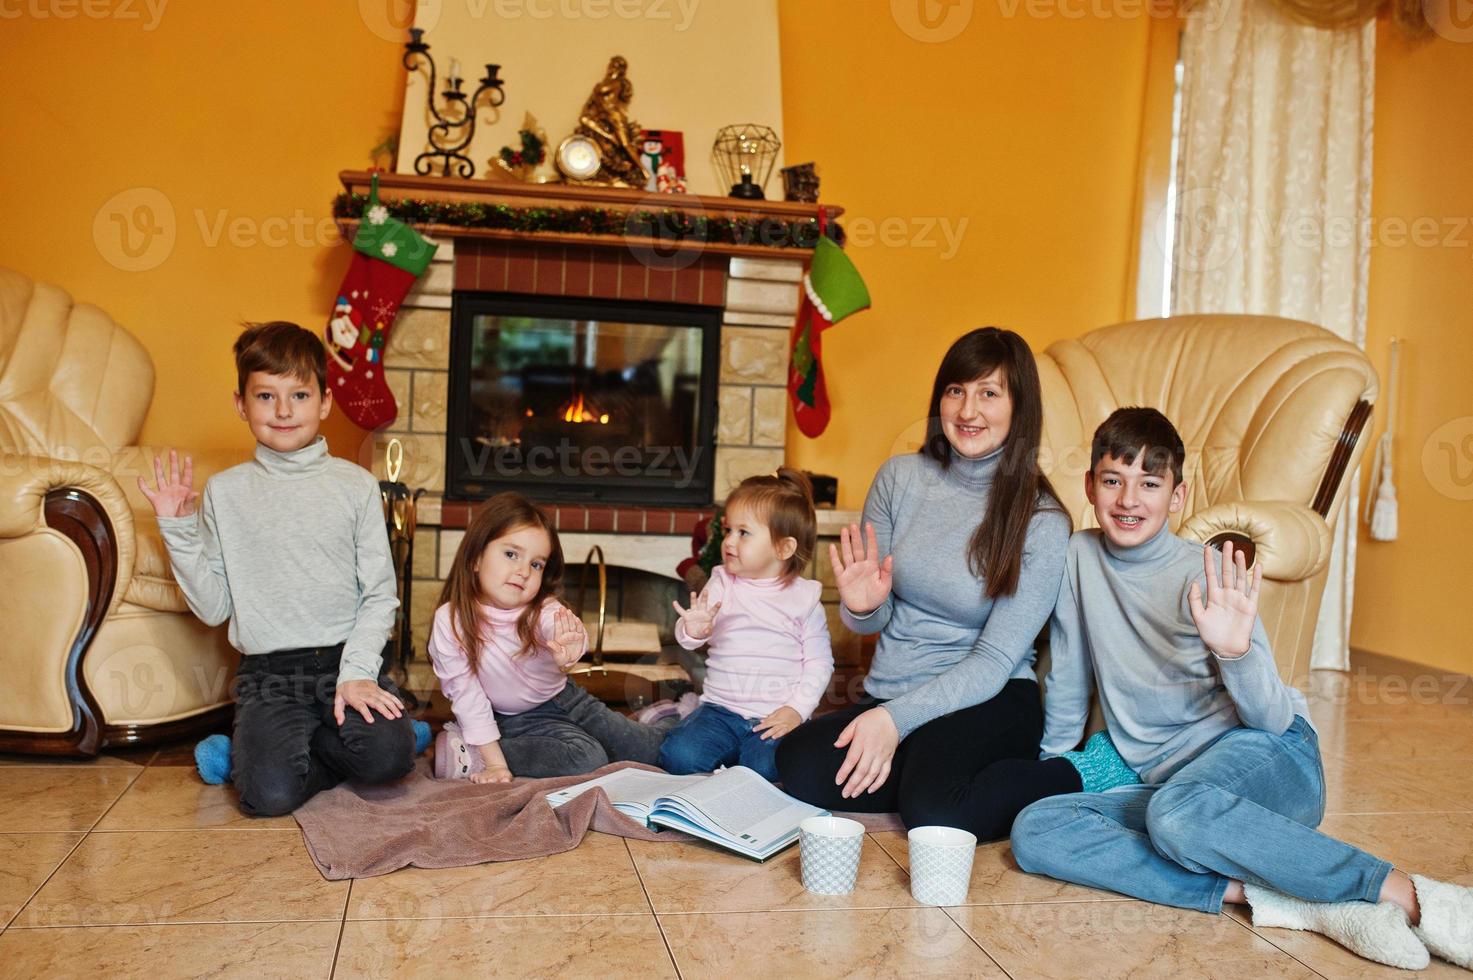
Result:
<point x="212" y="759"/>
<point x="421" y="736"/>
<point x="1100" y="766"/>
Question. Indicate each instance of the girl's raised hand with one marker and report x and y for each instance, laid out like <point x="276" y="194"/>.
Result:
<point x="569" y="638"/>
<point x="862" y="577"/>
<point x="1226" y="620"/>
<point x="700" y="618"/>
<point x="174" y="494"/>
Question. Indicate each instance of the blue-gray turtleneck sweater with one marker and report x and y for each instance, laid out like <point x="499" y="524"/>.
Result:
<point x="943" y="644"/>
<point x="291" y="548"/>
<point x="1124" y="626"/>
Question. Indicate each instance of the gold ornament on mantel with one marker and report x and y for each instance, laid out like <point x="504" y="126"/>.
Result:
<point x="605" y="122"/>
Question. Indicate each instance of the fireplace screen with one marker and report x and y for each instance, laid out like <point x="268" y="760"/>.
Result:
<point x="582" y="400"/>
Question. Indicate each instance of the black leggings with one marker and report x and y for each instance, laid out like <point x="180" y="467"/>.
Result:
<point x="975" y="768"/>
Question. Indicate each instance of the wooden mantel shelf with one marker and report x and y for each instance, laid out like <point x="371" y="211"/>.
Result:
<point x="519" y="194"/>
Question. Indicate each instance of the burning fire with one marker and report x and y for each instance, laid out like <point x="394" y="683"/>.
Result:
<point x="580" y="411"/>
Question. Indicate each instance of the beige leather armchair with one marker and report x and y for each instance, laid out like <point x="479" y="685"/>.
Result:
<point x="1272" y="412"/>
<point x="97" y="646"/>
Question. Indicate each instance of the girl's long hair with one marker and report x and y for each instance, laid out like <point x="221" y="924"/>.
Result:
<point x="1020" y="488"/>
<point x="498" y="517"/>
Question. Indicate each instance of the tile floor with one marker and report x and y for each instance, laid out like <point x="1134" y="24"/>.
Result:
<point x="129" y="866"/>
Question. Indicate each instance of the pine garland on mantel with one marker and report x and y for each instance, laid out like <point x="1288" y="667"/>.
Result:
<point x="667" y="225"/>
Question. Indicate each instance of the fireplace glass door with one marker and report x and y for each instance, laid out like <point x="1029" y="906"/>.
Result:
<point x="582" y="400"/>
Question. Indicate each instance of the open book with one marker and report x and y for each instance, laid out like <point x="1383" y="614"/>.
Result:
<point x="735" y="808"/>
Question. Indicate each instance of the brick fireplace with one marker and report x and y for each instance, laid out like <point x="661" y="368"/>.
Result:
<point x="754" y="287"/>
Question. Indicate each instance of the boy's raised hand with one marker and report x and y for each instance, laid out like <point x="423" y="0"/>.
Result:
<point x="1226" y="621"/>
<point x="569" y="638"/>
<point x="700" y="618"/>
<point x="174" y="494"/>
<point x="863" y="579"/>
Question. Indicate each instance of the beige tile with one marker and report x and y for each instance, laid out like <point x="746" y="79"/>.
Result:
<point x="37" y="798"/>
<point x="424" y="459"/>
<point x="769" y="416"/>
<point x="1378" y="787"/>
<point x="249" y="951"/>
<point x="762" y="296"/>
<point x="700" y="877"/>
<point x="174" y="798"/>
<point x="1439" y="845"/>
<point x="1442" y="778"/>
<point x="420" y="339"/>
<point x="155" y="878"/>
<point x="597" y="877"/>
<point x="537" y="946"/>
<point x="997" y="879"/>
<point x="779" y="270"/>
<point x="734" y="415"/>
<point x="430" y="401"/>
<point x="398" y="382"/>
<point x="1100" y="940"/>
<point x="850" y="943"/>
<point x="426" y="552"/>
<point x="1416" y="738"/>
<point x="25" y="861"/>
<point x="734" y="464"/>
<point x="754" y="355"/>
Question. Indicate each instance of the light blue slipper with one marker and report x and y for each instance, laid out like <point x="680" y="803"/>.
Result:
<point x="212" y="759"/>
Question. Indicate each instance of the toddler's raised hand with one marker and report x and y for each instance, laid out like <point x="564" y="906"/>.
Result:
<point x="700" y="618"/>
<point x="1226" y="621"/>
<point x="174" y="495"/>
<point x="569" y="638"/>
<point x="862" y="577"/>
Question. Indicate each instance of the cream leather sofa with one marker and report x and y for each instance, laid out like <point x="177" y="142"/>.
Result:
<point x="97" y="647"/>
<point x="1273" y="414"/>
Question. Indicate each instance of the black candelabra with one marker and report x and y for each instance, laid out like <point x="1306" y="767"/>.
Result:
<point x="449" y="135"/>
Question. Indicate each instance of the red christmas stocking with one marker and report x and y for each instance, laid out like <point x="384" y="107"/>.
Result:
<point x="388" y="257"/>
<point x="832" y="290"/>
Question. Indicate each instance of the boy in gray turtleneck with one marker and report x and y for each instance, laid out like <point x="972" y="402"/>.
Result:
<point x="1167" y="633"/>
<point x="291" y="549"/>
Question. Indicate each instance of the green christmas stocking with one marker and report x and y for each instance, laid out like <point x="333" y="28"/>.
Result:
<point x="832" y="290"/>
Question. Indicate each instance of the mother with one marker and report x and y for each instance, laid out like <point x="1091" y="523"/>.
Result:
<point x="973" y="538"/>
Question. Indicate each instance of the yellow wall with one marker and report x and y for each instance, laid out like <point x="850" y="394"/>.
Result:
<point x="1411" y="594"/>
<point x="696" y="65"/>
<point x="235" y="117"/>
<point x="1018" y="137"/>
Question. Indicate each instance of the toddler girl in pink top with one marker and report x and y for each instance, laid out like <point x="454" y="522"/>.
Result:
<point x="769" y="659"/>
<point x="501" y="644"/>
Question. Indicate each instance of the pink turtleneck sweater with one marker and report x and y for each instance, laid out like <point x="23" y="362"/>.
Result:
<point x="503" y="681"/>
<point x="769" y="647"/>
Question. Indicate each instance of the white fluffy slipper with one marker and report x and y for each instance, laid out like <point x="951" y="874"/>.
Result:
<point x="1376" y="930"/>
<point x="1447" y="920"/>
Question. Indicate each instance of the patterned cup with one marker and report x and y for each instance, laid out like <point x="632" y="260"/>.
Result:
<point x="828" y="848"/>
<point x="940" y="864"/>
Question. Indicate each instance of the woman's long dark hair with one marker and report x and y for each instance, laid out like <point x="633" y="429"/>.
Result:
<point x="1020" y="488"/>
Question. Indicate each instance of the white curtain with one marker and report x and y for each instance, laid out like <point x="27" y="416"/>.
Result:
<point x="1274" y="200"/>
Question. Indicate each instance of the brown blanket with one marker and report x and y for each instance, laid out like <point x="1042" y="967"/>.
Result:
<point x="362" y="831"/>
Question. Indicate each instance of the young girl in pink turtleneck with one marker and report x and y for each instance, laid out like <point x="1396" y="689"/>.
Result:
<point x="769" y="659"/>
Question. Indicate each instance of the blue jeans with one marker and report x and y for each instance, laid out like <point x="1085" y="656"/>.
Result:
<point x="1245" y="808"/>
<point x="712" y="736"/>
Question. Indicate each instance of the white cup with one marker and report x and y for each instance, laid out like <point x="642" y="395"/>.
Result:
<point x="828" y="849"/>
<point x="941" y="864"/>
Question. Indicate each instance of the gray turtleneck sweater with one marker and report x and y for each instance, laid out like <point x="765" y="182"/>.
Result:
<point x="1124" y="625"/>
<point x="291" y="548"/>
<point x="943" y="644"/>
